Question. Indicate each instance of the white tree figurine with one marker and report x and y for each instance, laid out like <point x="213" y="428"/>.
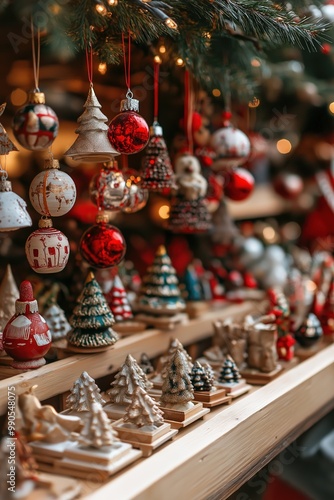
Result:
<point x="143" y="410"/>
<point x="84" y="394"/>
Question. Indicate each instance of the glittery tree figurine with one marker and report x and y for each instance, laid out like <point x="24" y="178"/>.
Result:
<point x="160" y="294"/>
<point x="126" y="380"/>
<point x="200" y="378"/>
<point x="157" y="172"/>
<point x="143" y="410"/>
<point x="92" y="144"/>
<point x="83" y="394"/>
<point x="91" y="320"/>
<point x="229" y="372"/>
<point x="6" y="145"/>
<point x="118" y="301"/>
<point x="204" y="389"/>
<point x="97" y="432"/>
<point x="57" y="321"/>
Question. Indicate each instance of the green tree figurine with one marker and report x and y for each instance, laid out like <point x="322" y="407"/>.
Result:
<point x="229" y="373"/>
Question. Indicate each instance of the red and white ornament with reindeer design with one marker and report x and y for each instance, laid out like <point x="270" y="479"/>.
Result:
<point x="26" y="336"/>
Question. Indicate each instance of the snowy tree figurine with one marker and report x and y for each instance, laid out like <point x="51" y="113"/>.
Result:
<point x="178" y="393"/>
<point x="160" y="296"/>
<point x="92" y="320"/>
<point x="57" y="322"/>
<point x="83" y="394"/>
<point x="230" y="379"/>
<point x="204" y="390"/>
<point x="97" y="431"/>
<point x="125" y="382"/>
<point x="143" y="424"/>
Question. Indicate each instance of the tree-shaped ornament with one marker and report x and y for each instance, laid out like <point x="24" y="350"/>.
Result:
<point x="108" y="188"/>
<point x="160" y="293"/>
<point x="231" y="145"/>
<point x="229" y="373"/>
<point x="102" y="245"/>
<point x="55" y="317"/>
<point x="47" y="249"/>
<point x="97" y="433"/>
<point x="13" y="209"/>
<point x="92" y="144"/>
<point x="200" y="378"/>
<point x="92" y="319"/>
<point x="26" y="337"/>
<point x="126" y="380"/>
<point x="143" y="410"/>
<point x="83" y="394"/>
<point x="118" y="301"/>
<point x="189" y="213"/>
<point x="35" y="125"/>
<point x="177" y="389"/>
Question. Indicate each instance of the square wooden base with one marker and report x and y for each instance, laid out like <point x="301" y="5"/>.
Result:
<point x="145" y="440"/>
<point x="255" y="377"/>
<point x="69" y="459"/>
<point x="212" y="398"/>
<point x="163" y="322"/>
<point x="236" y="389"/>
<point x="179" y="418"/>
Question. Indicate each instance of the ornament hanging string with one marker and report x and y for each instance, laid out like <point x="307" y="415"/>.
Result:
<point x="89" y="63"/>
<point x="36" y="57"/>
<point x="188" y="110"/>
<point x="127" y="64"/>
<point x="156" y="90"/>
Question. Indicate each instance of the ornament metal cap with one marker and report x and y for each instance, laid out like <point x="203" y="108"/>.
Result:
<point x="45" y="222"/>
<point x="102" y="217"/>
<point x="50" y="163"/>
<point x="36" y="97"/>
<point x="129" y="104"/>
<point x="156" y="129"/>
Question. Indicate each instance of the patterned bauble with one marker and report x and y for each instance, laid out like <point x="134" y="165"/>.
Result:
<point x="35" y="125"/>
<point x="13" y="209"/>
<point x="108" y="189"/>
<point x="128" y="132"/>
<point x="239" y="184"/>
<point x="138" y="196"/>
<point x="26" y="337"/>
<point x="102" y="245"/>
<point x="47" y="249"/>
<point x="52" y="192"/>
<point x="309" y="332"/>
<point x="231" y="145"/>
<point x="157" y="172"/>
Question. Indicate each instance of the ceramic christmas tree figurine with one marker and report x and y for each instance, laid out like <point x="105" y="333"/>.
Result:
<point x="126" y="380"/>
<point x="57" y="322"/>
<point x="97" y="431"/>
<point x="178" y="393"/>
<point x="202" y="380"/>
<point x="91" y="320"/>
<point x="230" y="379"/>
<point x="160" y="294"/>
<point x="143" y="410"/>
<point x="84" y="393"/>
<point x="26" y="336"/>
<point x="145" y="364"/>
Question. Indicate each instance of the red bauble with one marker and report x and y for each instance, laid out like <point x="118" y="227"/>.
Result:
<point x="239" y="184"/>
<point x="128" y="132"/>
<point x="102" y="245"/>
<point x="288" y="185"/>
<point x="26" y="336"/>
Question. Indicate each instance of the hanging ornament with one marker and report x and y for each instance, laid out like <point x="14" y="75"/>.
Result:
<point x="239" y="184"/>
<point x="108" y="189"/>
<point x="231" y="145"/>
<point x="309" y="332"/>
<point x="188" y="213"/>
<point x="92" y="144"/>
<point x="157" y="171"/>
<point x="138" y="196"/>
<point x="26" y="337"/>
<point x="6" y="145"/>
<point x="13" y="209"/>
<point x="47" y="249"/>
<point x="52" y="192"/>
<point x="128" y="131"/>
<point x="102" y="245"/>
<point x="288" y="185"/>
<point x="35" y="125"/>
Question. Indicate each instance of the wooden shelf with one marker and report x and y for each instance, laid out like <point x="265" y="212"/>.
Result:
<point x="212" y="457"/>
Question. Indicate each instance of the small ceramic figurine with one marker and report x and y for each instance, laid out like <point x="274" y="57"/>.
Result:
<point x="26" y="337"/>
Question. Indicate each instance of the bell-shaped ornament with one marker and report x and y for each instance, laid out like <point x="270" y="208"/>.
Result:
<point x="13" y="209"/>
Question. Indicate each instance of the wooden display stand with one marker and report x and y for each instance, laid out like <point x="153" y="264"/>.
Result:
<point x="146" y="440"/>
<point x="236" y="389"/>
<point x="163" y="322"/>
<point x="179" y="418"/>
<point x="131" y="327"/>
<point x="255" y="377"/>
<point x="212" y="398"/>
